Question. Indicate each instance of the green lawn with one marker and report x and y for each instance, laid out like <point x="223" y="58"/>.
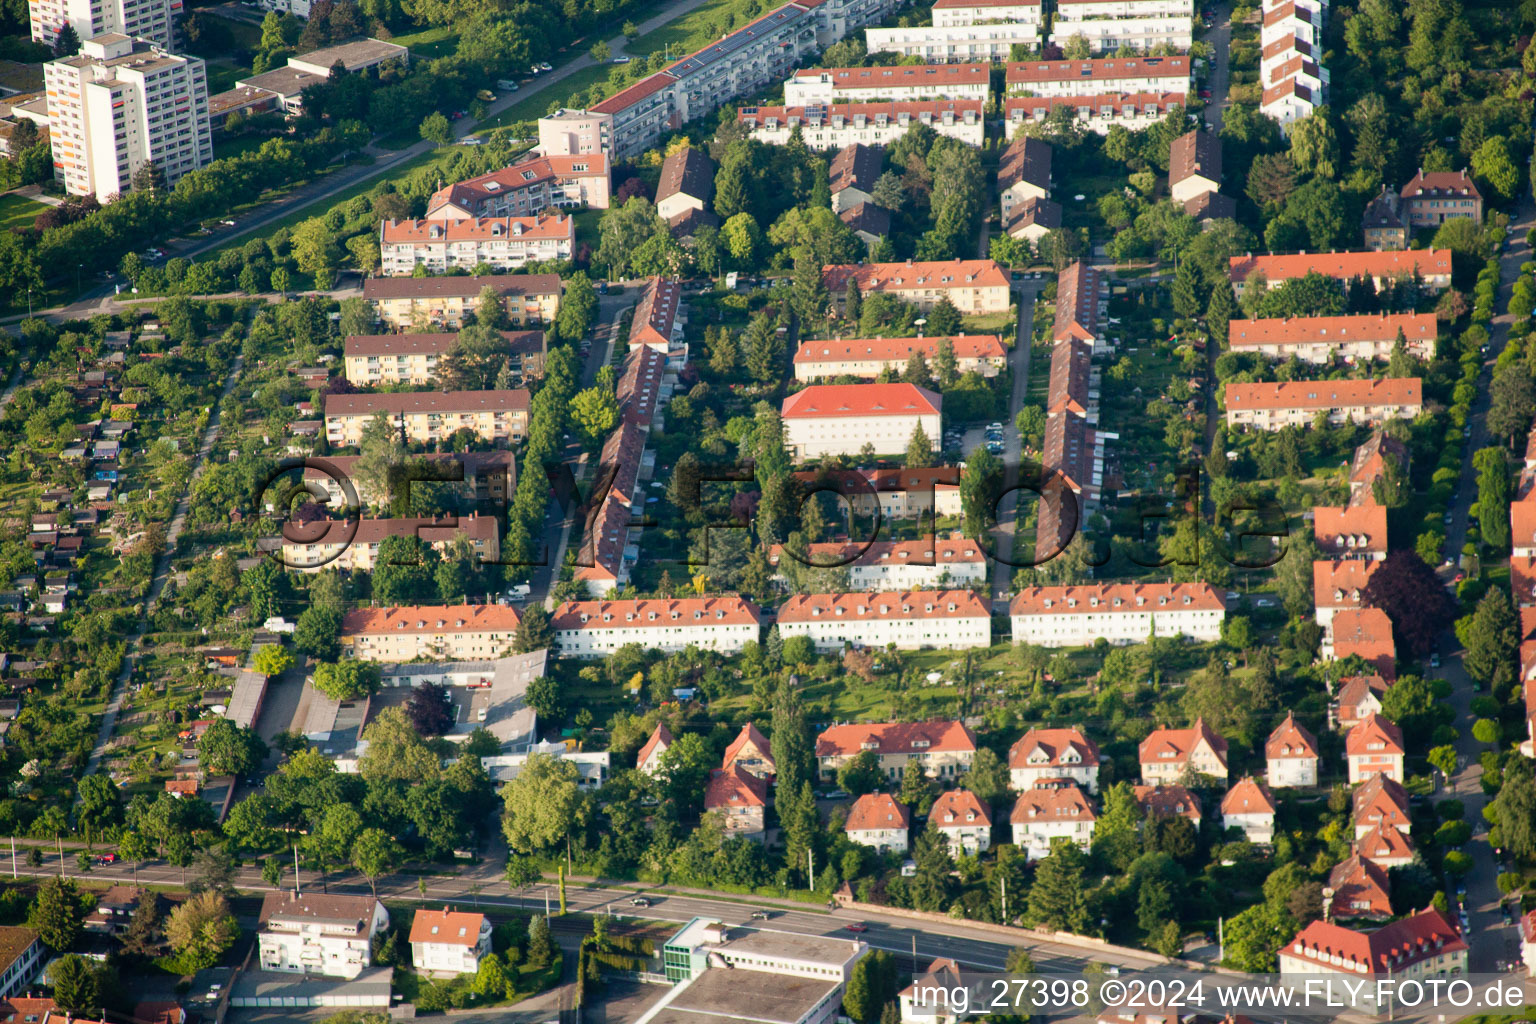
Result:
<point x="18" y="212"/>
<point x="537" y="105"/>
<point x="439" y="41"/>
<point x="223" y="73"/>
<point x="698" y="26"/>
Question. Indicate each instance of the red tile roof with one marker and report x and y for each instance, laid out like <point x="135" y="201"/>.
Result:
<point x="1307" y="395"/>
<point x="656" y="312"/>
<point x="1108" y="598"/>
<point x="1368" y="633"/>
<point x="1052" y="802"/>
<point x="896" y="350"/>
<point x="1393" y="948"/>
<point x="1290" y="740"/>
<point x="1385" y="847"/>
<point x="446" y="926"/>
<point x="750" y="736"/>
<point x="368" y="530"/>
<point x="1440" y="183"/>
<point x="1353" y="530"/>
<point x="422" y="232"/>
<point x="1354" y="692"/>
<point x="1522" y="580"/>
<point x="660" y="613"/>
<point x="524" y="174"/>
<point x="1168" y="801"/>
<point x="935" y="552"/>
<point x="1077" y="305"/>
<point x="376" y="289"/>
<point x="1522" y="524"/>
<point x="431" y="618"/>
<point x="1181" y="743"/>
<point x="626" y="98"/>
<point x="426" y="344"/>
<point x="884" y="606"/>
<point x="1249" y="796"/>
<point x="1053" y="744"/>
<point x="957" y="808"/>
<point x="890" y="109"/>
<point x="661" y="737"/>
<point x="929" y="276"/>
<point x="895" y="738"/>
<point x="1381" y="800"/>
<point x="1102" y="69"/>
<point x="734" y="788"/>
<point x="1336" y="583"/>
<point x="877" y="811"/>
<point x="1387" y="264"/>
<point x="821" y="401"/>
<point x="1360" y="889"/>
<point x="1374" y="730"/>
<point x="1421" y="328"/>
<point x="900" y="76"/>
<point x="406" y="403"/>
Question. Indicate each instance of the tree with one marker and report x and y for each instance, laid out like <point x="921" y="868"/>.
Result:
<point x="600" y="52"/>
<point x="272" y="660"/>
<point x="546" y="698"/>
<point x="594" y="413"/>
<point x="1253" y="936"/>
<point x="980" y="488"/>
<point x="1414" y="599"/>
<point x="375" y="853"/>
<point x="143" y="935"/>
<point x="1491" y="636"/>
<point x="403" y="572"/>
<point x="918" y="791"/>
<point x="919" y="449"/>
<point x="541" y="944"/>
<point x="987" y="776"/>
<point x="396" y="752"/>
<point x="1494" y="495"/>
<point x="1513" y="810"/>
<point x="859" y="774"/>
<point x="491" y="978"/>
<point x="1056" y="899"/>
<point x="1188" y="297"/>
<point x="1315" y="144"/>
<point x="349" y="679"/>
<point x="533" y="630"/>
<point x="541" y="804"/>
<point x="430" y="709"/>
<point x="228" y="749"/>
<point x="943" y="319"/>
<point x="68" y="42"/>
<point x="436" y="129"/>
<point x="201" y="929"/>
<point x="1496" y="171"/>
<point x="1293" y="573"/>
<point x="76" y="988"/>
<point x="55" y="914"/>
<point x="1271" y="178"/>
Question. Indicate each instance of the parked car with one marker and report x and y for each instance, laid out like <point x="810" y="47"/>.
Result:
<point x="621" y="60"/>
<point x="485" y="96"/>
<point x="506" y="85"/>
<point x="546" y="66"/>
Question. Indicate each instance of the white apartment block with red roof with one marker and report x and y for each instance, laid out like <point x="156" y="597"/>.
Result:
<point x="819" y="359"/>
<point x="944" y="749"/>
<point x="353" y="544"/>
<point x="896" y="493"/>
<point x="501" y="243"/>
<point x="1099" y="76"/>
<point x="869" y="124"/>
<point x="878" y="821"/>
<point x="449" y="943"/>
<point x="1122" y="613"/>
<point x="1290" y="755"/>
<point x="463" y="632"/>
<point x="1380" y="802"/>
<point x="1322" y="339"/>
<point x="1337" y="584"/>
<point x="909" y="619"/>
<point x="1097" y="112"/>
<point x="1424" y="945"/>
<point x="1050" y="812"/>
<point x="1108" y="25"/>
<point x="926" y="564"/>
<point x="840" y="419"/>
<point x="1042" y="754"/>
<point x="1432" y="267"/>
<point x="965" y="30"/>
<point x="525" y="188"/>
<point x="595" y="629"/>
<point x="1274" y="406"/>
<point x="1374" y="747"/>
<point x="899" y="82"/>
<point x="963" y="820"/>
<point x="740" y="799"/>
<point x="974" y="287"/>
<point x="1250" y="806"/>
<point x="1167" y="754"/>
<point x="1356" y="531"/>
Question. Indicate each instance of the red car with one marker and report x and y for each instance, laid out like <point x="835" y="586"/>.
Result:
<point x="1205" y="94"/>
<point x="856" y="927"/>
<point x="107" y="858"/>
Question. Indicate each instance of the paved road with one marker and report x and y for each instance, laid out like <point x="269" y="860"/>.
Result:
<point x="1013" y="453"/>
<point x="1220" y="38"/>
<point x="1491" y="940"/>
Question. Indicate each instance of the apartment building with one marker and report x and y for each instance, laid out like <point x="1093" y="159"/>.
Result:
<point x="965" y="31"/>
<point x="122" y="103"/>
<point x="1432" y="199"/>
<point x="595" y="629"/>
<point x="840" y="419"/>
<point x="1322" y="340"/>
<point x="1265" y="406"/>
<point x="1289" y="100"/>
<point x="1374" y="747"/>
<point x="877" y="821"/>
<point x="1430" y="267"/>
<point x="526" y="188"/>
<point x="1099" y="76"/>
<point x="1169" y="801"/>
<point x="427" y="417"/>
<point x="1250" y="806"/>
<point x="1043" y="754"/>
<point x="1096" y="111"/>
<point x="1108" y="25"/>
<point x="974" y="287"/>
<point x="969" y="13"/>
<point x="871" y="124"/>
<point x="575" y="133"/>
<point x="501" y="243"/>
<point x="899" y="82"/>
<point x="485" y="477"/>
<point x="149" y="20"/>
<point x="1051" y="811"/>
<point x="945" y="750"/>
<point x="739" y="799"/>
<point x="930" y="563"/>
<point x="1167" y="754"/>
<point x="372" y="360"/>
<point x="21" y="957"/>
<point x="912" y="620"/>
<point x="893" y="493"/>
<point x="1337" y="585"/>
<point x="421" y="303"/>
<point x="1424" y="945"/>
<point x="963" y="821"/>
<point x="1357" y="890"/>
<point x="823" y="359"/>
<point x="463" y="632"/>
<point x="1380" y="802"/>
<point x="1290" y="755"/>
<point x="1122" y="613"/>
<point x="449" y="943"/>
<point x="312" y="933"/>
<point x="353" y="545"/>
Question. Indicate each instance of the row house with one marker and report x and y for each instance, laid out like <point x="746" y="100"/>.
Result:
<point x="1374" y="747"/>
<point x="1431" y="267"/>
<point x="1169" y="755"/>
<point x="526" y="188"/>
<point x="449" y="943"/>
<point x="500" y="243"/>
<point x="1365" y="633"/>
<point x="892" y="565"/>
<point x="1337" y="584"/>
<point x="1073" y="457"/>
<point x="1055" y="810"/>
<point x="900" y="82"/>
<point x="740" y="799"/>
<point x="659" y="319"/>
<point x="1323" y="340"/>
<point x="1024" y="172"/>
<point x="429" y="417"/>
<point x="823" y="359"/>
<point x="311" y="933"/>
<point x="375" y="360"/>
<point x="595" y="629"/>
<point x="1100" y="76"/>
<point x="464" y="632"/>
<point x="880" y="822"/>
<point x="352" y="545"/>
<point x="1122" y="613"/>
<point x="1380" y="803"/>
<point x="1042" y="754"/>
<point x="1169" y="800"/>
<point x="1290" y="755"/>
<point x="1270" y="406"/>
<point x="1357" y="697"/>
<point x="826" y="127"/>
<point x="1357" y="531"/>
<point x="1424" y="945"/>
<point x="991" y="43"/>
<point x="945" y="750"/>
<point x="840" y="419"/>
<point x="1357" y="890"/>
<point x="1097" y="111"/>
<point x="964" y="822"/>
<point x="892" y="493"/>
<point x="909" y="620"/>
<point x="421" y="303"/>
<point x="1250" y="806"/>
<point x="1109" y="25"/>
<point x="974" y="287"/>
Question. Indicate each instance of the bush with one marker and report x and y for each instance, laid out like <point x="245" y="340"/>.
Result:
<point x="1509" y="882"/>
<point x="1451" y="810"/>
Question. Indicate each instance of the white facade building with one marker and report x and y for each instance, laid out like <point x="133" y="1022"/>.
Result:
<point x="963" y="820"/>
<point x="876" y="820"/>
<point x="868" y="124"/>
<point x="501" y="243"/>
<point x="912" y="619"/>
<point x="956" y="44"/>
<point x="150" y="20"/>
<point x="1099" y="76"/>
<point x="122" y="103"/>
<point x="445" y="942"/>
<point x="899" y="82"/>
<point x="840" y="419"/>
<point x="1290" y="755"/>
<point x="319" y="934"/>
<point x="1251" y="807"/>
<point x="1111" y="24"/>
<point x="1042" y="754"/>
<point x="1122" y="613"/>
<point x="927" y="564"/>
<point x="595" y="629"/>
<point x="1050" y="812"/>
